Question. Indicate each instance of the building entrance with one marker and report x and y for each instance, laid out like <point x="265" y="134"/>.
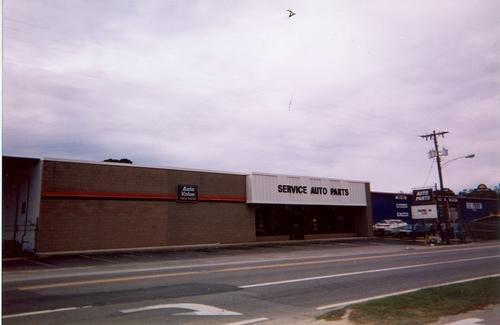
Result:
<point x="296" y="221"/>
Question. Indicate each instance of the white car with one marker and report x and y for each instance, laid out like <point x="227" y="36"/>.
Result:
<point x="389" y="224"/>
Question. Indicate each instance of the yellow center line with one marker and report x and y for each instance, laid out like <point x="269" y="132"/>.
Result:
<point x="236" y="269"/>
<point x="101" y="281"/>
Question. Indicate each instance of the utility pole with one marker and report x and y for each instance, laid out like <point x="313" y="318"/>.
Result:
<point x="444" y="205"/>
<point x="433" y="136"/>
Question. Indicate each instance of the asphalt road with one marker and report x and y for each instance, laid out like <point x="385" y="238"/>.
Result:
<point x="275" y="284"/>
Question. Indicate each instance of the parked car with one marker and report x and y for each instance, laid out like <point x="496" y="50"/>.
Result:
<point x="413" y="231"/>
<point x="389" y="224"/>
<point x="388" y="227"/>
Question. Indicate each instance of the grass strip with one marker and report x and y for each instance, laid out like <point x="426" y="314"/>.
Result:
<point x="423" y="306"/>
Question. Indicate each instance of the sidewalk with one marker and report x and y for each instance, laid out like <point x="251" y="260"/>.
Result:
<point x="488" y="315"/>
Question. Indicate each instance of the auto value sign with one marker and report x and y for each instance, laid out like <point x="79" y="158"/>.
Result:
<point x="283" y="189"/>
<point x="187" y="193"/>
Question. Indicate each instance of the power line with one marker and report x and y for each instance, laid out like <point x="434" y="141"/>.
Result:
<point x="434" y="135"/>
<point x="429" y="173"/>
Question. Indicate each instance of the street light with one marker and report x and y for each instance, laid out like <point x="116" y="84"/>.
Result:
<point x="468" y="156"/>
<point x="445" y="202"/>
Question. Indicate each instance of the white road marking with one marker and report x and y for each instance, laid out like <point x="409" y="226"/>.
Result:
<point x="44" y="312"/>
<point x="352" y="302"/>
<point x="103" y="281"/>
<point x="97" y="258"/>
<point x="40" y="263"/>
<point x="363" y="272"/>
<point x="249" y="321"/>
<point x="197" y="309"/>
<point x="468" y="321"/>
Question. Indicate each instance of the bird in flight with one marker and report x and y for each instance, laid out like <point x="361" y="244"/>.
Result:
<point x="291" y="13"/>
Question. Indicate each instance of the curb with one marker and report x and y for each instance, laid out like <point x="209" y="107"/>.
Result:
<point x="178" y="248"/>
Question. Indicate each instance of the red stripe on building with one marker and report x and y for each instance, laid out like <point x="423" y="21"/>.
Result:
<point x="223" y="198"/>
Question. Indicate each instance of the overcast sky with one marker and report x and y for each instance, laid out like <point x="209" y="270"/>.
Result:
<point x="343" y="89"/>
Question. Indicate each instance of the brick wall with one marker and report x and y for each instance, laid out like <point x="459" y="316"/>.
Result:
<point x="123" y="178"/>
<point x="77" y="214"/>
<point x="210" y="222"/>
<point x="80" y="224"/>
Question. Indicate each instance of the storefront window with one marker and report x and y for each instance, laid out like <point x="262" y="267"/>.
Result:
<point x="276" y="220"/>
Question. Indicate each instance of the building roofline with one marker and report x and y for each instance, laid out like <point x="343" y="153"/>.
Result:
<point x="103" y="163"/>
<point x="394" y="193"/>
<point x="19" y="157"/>
<point x="116" y="164"/>
<point x="313" y="177"/>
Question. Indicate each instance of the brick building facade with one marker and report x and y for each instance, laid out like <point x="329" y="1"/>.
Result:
<point x="85" y="206"/>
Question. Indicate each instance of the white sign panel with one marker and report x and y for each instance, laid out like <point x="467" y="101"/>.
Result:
<point x="424" y="211"/>
<point x="474" y="206"/>
<point x="283" y="189"/>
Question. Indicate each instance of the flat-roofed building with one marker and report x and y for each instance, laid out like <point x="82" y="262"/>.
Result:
<point x="56" y="205"/>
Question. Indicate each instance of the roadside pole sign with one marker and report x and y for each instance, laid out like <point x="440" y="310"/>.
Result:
<point x="424" y="211"/>
<point x="424" y="205"/>
<point x="423" y="196"/>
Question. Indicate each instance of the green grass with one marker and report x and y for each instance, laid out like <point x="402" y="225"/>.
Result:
<point x="424" y="306"/>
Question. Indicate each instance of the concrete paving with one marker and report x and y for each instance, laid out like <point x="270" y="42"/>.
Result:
<point x="488" y="315"/>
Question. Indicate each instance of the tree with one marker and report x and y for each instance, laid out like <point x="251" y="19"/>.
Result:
<point x="123" y="160"/>
<point x="481" y="192"/>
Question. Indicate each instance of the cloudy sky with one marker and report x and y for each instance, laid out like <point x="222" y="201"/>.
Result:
<point x="342" y="89"/>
